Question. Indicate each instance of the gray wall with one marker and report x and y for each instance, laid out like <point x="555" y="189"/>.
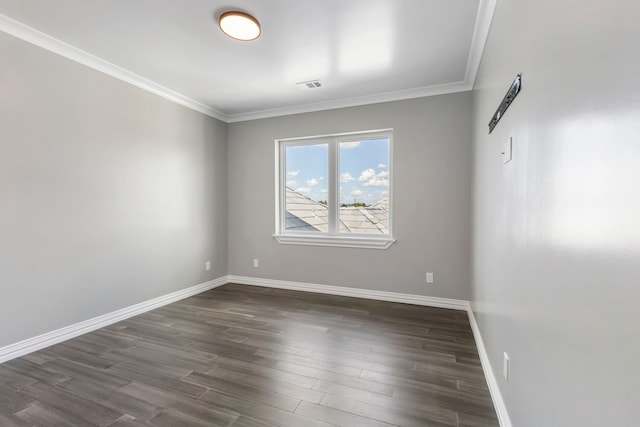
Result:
<point x="557" y="231"/>
<point x="432" y="168"/>
<point x="109" y="195"/>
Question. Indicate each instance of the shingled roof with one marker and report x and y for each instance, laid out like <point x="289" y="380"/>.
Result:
<point x="304" y="214"/>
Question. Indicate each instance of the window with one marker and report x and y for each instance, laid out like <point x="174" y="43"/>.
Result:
<point x="335" y="190"/>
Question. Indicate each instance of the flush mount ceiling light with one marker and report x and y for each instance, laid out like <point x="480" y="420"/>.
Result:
<point x="239" y="26"/>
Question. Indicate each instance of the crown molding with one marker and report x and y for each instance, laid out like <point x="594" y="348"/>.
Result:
<point x="45" y="41"/>
<point x="486" y="8"/>
<point x="484" y="17"/>
<point x="400" y="95"/>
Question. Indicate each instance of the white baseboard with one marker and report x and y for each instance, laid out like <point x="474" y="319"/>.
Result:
<point x="496" y="396"/>
<point x="353" y="292"/>
<point x="54" y="337"/>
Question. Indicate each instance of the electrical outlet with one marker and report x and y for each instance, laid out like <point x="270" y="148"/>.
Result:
<point x="207" y="265"/>
<point x="505" y="366"/>
<point x="429" y="277"/>
<point x="256" y="263"/>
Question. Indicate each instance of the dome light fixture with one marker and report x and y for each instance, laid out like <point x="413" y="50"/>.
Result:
<point x="239" y="25"/>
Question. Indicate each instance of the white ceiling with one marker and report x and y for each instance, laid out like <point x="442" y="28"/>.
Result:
<point x="362" y="51"/>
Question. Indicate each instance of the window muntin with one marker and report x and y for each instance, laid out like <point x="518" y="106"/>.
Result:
<point x="335" y="187"/>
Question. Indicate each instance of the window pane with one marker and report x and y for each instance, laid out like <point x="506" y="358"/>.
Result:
<point x="306" y="192"/>
<point x="364" y="186"/>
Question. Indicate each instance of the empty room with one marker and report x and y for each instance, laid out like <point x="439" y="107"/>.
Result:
<point x="297" y="213"/>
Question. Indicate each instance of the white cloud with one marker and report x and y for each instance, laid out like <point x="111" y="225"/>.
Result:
<point x="321" y="178"/>
<point x="324" y="191"/>
<point x="303" y="190"/>
<point x="382" y="166"/>
<point x="349" y="145"/>
<point x="369" y="178"/>
<point x="292" y="183"/>
<point x="366" y="175"/>
<point x="293" y="173"/>
<point x="346" y="177"/>
<point x="311" y="182"/>
<point x="356" y="192"/>
<point x="377" y="182"/>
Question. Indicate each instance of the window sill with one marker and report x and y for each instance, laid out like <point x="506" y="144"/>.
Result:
<point x="336" y="241"/>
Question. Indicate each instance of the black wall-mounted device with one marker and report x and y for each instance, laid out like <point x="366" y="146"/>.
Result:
<point x="506" y="101"/>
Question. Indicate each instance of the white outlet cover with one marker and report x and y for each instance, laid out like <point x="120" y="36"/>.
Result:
<point x="505" y="367"/>
<point x="429" y="277"/>
<point x="207" y="265"/>
<point x="506" y="151"/>
<point x="256" y="263"/>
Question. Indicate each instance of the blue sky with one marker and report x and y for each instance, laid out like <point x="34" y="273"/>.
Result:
<point x="363" y="168"/>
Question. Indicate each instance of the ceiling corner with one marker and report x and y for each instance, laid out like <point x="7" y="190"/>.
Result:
<point x="484" y="17"/>
<point x="37" y="38"/>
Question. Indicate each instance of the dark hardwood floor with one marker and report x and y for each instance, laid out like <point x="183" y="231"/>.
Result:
<point x="245" y="356"/>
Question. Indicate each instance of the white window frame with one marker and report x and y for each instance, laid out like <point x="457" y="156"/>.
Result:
<point x="333" y="237"/>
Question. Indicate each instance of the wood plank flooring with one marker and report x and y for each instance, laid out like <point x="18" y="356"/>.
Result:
<point x="244" y="356"/>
